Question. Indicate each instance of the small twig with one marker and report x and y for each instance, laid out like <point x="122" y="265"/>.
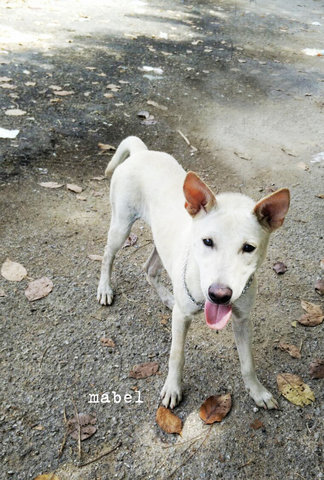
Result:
<point x="118" y="444"/>
<point x="301" y="345"/>
<point x="65" y="434"/>
<point x="138" y="248"/>
<point x="190" y="440"/>
<point x="42" y="358"/>
<point x="194" y="149"/>
<point x="300" y="476"/>
<point x="191" y="455"/>
<point x="247" y="463"/>
<point x="184" y="137"/>
<point x="79" y="430"/>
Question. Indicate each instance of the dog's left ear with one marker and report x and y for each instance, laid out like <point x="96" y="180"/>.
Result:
<point x="198" y="195"/>
<point x="271" y="210"/>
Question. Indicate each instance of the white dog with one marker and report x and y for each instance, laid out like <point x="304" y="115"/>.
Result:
<point x="210" y="246"/>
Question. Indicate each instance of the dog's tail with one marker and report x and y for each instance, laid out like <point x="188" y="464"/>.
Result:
<point x="127" y="147"/>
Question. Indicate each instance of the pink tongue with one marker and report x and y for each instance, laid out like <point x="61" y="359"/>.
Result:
<point x="217" y="316"/>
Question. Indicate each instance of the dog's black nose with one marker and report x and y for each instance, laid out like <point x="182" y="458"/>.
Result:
<point x="219" y="293"/>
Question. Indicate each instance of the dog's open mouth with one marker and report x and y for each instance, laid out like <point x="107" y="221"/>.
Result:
<point x="217" y="316"/>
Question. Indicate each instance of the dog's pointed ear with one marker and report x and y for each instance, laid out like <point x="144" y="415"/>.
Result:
<point x="271" y="210"/>
<point x="198" y="195"/>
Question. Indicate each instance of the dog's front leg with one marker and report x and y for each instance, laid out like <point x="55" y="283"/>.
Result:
<point x="243" y="337"/>
<point x="172" y="391"/>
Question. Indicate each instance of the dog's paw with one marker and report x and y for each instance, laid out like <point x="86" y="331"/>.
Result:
<point x="263" y="398"/>
<point x="105" y="295"/>
<point x="171" y="394"/>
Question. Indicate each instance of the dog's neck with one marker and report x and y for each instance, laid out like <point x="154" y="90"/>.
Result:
<point x="191" y="270"/>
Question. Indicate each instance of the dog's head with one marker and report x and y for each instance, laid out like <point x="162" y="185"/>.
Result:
<point x="230" y="237"/>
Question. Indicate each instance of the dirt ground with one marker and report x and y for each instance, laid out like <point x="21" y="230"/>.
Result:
<point x="232" y="79"/>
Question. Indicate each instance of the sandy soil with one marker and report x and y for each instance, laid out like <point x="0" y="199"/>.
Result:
<point x="236" y="83"/>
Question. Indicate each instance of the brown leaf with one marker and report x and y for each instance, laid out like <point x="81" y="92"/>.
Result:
<point x="39" y="288"/>
<point x="316" y="368"/>
<point x="257" y="424"/>
<point x="87" y="426"/>
<point x="291" y="349"/>
<point x="13" y="271"/>
<point x="320" y="195"/>
<point x="74" y="188"/>
<point x="314" y="315"/>
<point x="319" y="286"/>
<point x="294" y="389"/>
<point x="168" y="421"/>
<point x="51" y="184"/>
<point x="280" y="268"/>
<point x="215" y="408"/>
<point x="107" y="342"/>
<point x="131" y="240"/>
<point x="144" y="370"/>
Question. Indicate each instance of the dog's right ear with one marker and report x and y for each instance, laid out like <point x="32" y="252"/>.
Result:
<point x="198" y="195"/>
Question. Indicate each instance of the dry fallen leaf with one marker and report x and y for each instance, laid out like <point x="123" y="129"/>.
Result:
<point x="131" y="240"/>
<point x="63" y="93"/>
<point x="107" y="342"/>
<point x="319" y="286"/>
<point x="39" y="288"/>
<point x="13" y="271"/>
<point x="291" y="349"/>
<point x="256" y="424"/>
<point x="294" y="389"/>
<point x="2" y="293"/>
<point x="168" y="421"/>
<point x="105" y="147"/>
<point x="102" y="177"/>
<point x="215" y="408"/>
<point x="113" y="87"/>
<point x="47" y="476"/>
<point x="280" y="268"/>
<point x="314" y="314"/>
<point x="74" y="188"/>
<point x="96" y="258"/>
<point x="51" y="184"/>
<point x="15" y="112"/>
<point x="157" y="105"/>
<point x="144" y="370"/>
<point x="87" y="426"/>
<point x="144" y="114"/>
<point x="316" y="368"/>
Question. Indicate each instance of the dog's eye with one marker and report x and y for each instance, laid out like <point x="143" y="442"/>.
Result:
<point x="247" y="248"/>
<point x="208" y="242"/>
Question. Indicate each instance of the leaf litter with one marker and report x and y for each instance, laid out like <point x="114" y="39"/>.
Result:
<point x="294" y="389"/>
<point x="215" y="408"/>
<point x="314" y="314"/>
<point x="144" y="370"/>
<point x="168" y="421"/>
<point x="87" y="426"/>
<point x="13" y="271"/>
<point x="39" y="288"/>
<point x="291" y="349"/>
<point x="316" y="368"/>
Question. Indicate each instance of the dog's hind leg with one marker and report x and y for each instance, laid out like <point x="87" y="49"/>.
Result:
<point x="119" y="230"/>
<point x="153" y="268"/>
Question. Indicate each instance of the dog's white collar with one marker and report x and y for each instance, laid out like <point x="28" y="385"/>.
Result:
<point x="201" y="304"/>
